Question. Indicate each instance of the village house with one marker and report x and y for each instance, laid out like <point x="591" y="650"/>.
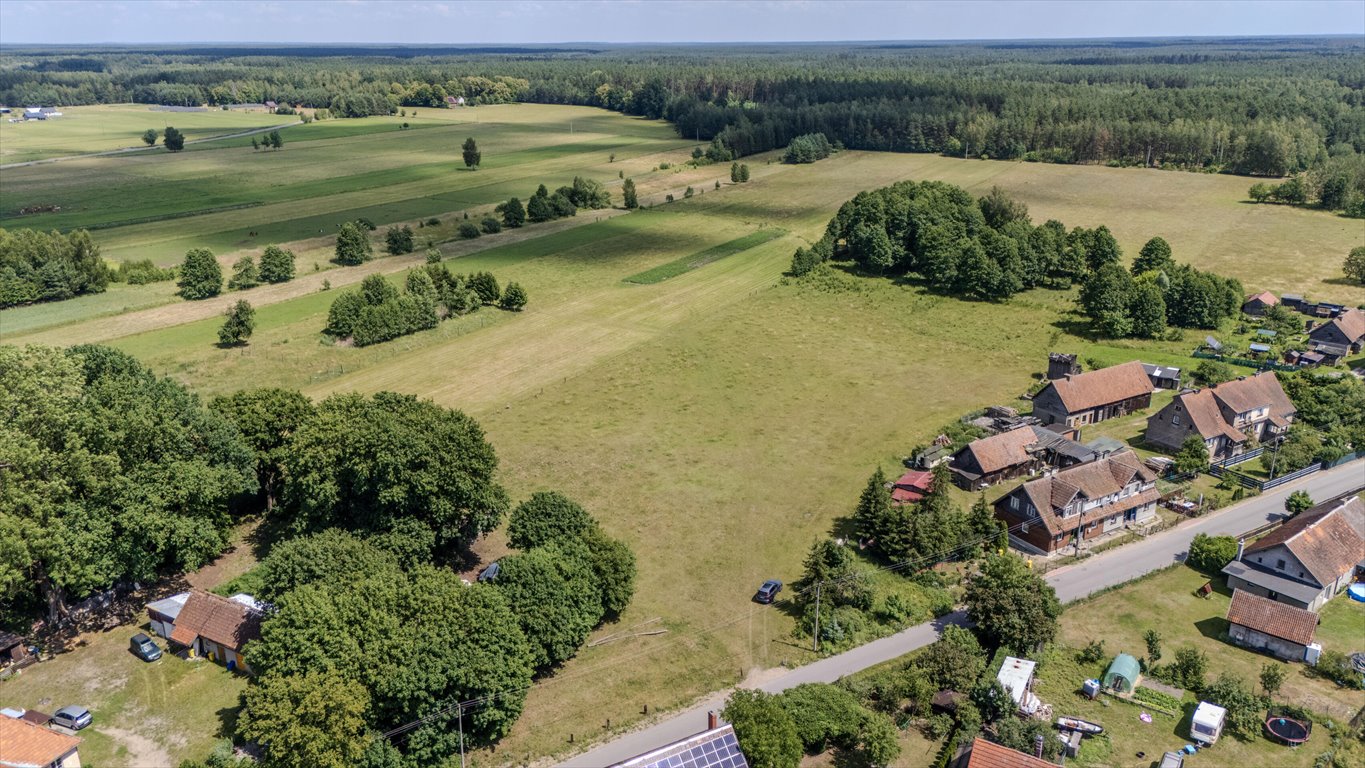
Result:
<point x="1263" y="624"/>
<point x="1087" y="398"/>
<point x="217" y="627"/>
<point x="24" y="744"/>
<point x="988" y="754"/>
<point x="1225" y="416"/>
<point x="1080" y="503"/>
<point x="1345" y="330"/>
<point x="1306" y="561"/>
<point x="1011" y="454"/>
<point x="1259" y="303"/>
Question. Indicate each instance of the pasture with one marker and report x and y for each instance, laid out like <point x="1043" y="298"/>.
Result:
<point x="719" y="420"/>
<point x="107" y="127"/>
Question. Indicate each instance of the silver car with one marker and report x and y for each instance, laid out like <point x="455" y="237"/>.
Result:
<point x="72" y="717"/>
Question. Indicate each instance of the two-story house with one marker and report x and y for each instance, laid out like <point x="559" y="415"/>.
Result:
<point x="1021" y="451"/>
<point x="1306" y="561"/>
<point x="1080" y="503"/>
<point x="1340" y="336"/>
<point x="1225" y="416"/>
<point x="1086" y="398"/>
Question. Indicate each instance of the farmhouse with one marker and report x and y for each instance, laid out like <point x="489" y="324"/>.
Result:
<point x="1259" y="303"/>
<point x="1087" y="398"/>
<point x="1346" y="329"/>
<point x="24" y="744"/>
<point x="218" y="627"/>
<point x="1225" y="416"/>
<point x="1266" y="625"/>
<point x="1011" y="454"/>
<point x="1306" y="561"/>
<point x="1083" y="502"/>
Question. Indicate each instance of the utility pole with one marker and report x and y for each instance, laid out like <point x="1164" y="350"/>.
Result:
<point x="816" y="638"/>
<point x="460" y="710"/>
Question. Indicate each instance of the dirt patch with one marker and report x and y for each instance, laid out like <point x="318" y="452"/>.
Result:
<point x="142" y="751"/>
<point x="231" y="564"/>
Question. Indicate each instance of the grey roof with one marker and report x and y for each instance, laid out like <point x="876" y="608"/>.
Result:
<point x="1106" y="445"/>
<point x="1212" y="342"/>
<point x="1259" y="347"/>
<point x="169" y="606"/>
<point x="1335" y="350"/>
<point x="1304" y="593"/>
<point x="716" y="748"/>
<point x="1161" y="371"/>
<point x="1291" y="297"/>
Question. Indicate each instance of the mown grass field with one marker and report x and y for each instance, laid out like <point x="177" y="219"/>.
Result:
<point x="101" y="128"/>
<point x="719" y="420"/>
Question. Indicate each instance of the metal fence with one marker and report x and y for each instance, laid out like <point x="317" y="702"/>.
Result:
<point x="1282" y="479"/>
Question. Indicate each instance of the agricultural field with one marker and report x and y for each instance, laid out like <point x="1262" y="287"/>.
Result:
<point x="719" y="418"/>
<point x="103" y="128"/>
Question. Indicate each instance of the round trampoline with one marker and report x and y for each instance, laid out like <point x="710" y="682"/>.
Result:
<point x="1288" y="730"/>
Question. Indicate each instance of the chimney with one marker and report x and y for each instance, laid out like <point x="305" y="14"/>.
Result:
<point x="712" y="722"/>
<point x="1241" y="545"/>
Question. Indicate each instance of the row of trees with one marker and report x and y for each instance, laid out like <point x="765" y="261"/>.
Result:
<point x="377" y="311"/>
<point x="201" y="276"/>
<point x="928" y="531"/>
<point x="1156" y="292"/>
<point x="49" y="266"/>
<point x="1336" y="185"/>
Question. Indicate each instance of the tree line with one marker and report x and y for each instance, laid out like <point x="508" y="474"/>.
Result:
<point x="1154" y="293"/>
<point x="49" y="266"/>
<point x="1261" y="107"/>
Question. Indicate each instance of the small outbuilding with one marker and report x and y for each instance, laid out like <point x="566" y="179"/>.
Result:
<point x="1207" y="723"/>
<point x="164" y="612"/>
<point x="1268" y="625"/>
<point x="1016" y="676"/>
<point x="1123" y="674"/>
<point x="1259" y="303"/>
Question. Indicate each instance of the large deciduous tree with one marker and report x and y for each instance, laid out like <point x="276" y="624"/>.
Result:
<point x="312" y="720"/>
<point x="1011" y="605"/>
<point x="266" y="418"/>
<point x="238" y="325"/>
<point x="353" y="245"/>
<point x="555" y="595"/>
<point x="173" y="139"/>
<point x="113" y="474"/>
<point x="547" y="517"/>
<point x="201" y="277"/>
<point x="765" y="731"/>
<point x="471" y="153"/>
<point x="244" y="274"/>
<point x="277" y="264"/>
<point x="365" y="463"/>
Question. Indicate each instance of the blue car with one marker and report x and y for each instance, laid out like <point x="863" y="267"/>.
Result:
<point x="143" y="648"/>
<point x="768" y="592"/>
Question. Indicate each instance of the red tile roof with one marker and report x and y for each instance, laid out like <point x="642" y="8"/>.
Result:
<point x="1272" y="617"/>
<point x="1267" y="298"/>
<point x="1004" y="450"/>
<point x="1329" y="542"/>
<point x="213" y="617"/>
<point x="1093" y="389"/>
<point x="912" y="486"/>
<point x="23" y="743"/>
<point x="988" y="754"/>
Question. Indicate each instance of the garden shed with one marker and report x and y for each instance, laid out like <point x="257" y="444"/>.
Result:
<point x="1122" y="674"/>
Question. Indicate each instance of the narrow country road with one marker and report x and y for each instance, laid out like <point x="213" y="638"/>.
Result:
<point x="1072" y="583"/>
<point x="129" y="150"/>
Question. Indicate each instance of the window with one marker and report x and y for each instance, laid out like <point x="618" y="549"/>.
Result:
<point x="1175" y="420"/>
<point x="1014" y="502"/>
<point x="1279" y="564"/>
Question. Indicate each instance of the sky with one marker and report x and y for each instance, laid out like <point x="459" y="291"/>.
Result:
<point x="624" y="21"/>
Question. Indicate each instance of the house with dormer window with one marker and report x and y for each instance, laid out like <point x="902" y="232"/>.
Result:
<point x="1226" y="417"/>
<point x="1306" y="561"/>
<point x="1080" y="503"/>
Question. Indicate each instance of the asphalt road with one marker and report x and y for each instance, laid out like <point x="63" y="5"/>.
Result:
<point x="1071" y="582"/>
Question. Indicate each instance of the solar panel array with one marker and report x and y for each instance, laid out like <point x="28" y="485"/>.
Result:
<point x="713" y="749"/>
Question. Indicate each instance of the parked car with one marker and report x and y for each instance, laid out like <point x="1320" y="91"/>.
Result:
<point x="491" y="572"/>
<point x="768" y="592"/>
<point x="72" y="717"/>
<point x="143" y="648"/>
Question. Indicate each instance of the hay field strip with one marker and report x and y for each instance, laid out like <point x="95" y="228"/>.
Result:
<point x="116" y="126"/>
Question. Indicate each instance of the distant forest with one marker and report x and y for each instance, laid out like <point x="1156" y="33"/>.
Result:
<point x="1265" y="107"/>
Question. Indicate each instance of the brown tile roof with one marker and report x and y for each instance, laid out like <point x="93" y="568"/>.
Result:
<point x="1201" y="408"/>
<point x="1252" y="392"/>
<point x="1004" y="450"/>
<point x="1106" y="385"/>
<point x="216" y="618"/>
<point x="23" y="743"/>
<point x="1329" y="541"/>
<point x="1096" y="479"/>
<point x="1267" y="298"/>
<point x="1351" y="323"/>
<point x="1272" y="617"/>
<point x="988" y="754"/>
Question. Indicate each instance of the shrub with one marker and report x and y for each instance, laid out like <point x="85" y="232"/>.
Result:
<point x="1336" y="666"/>
<point x="490" y="225"/>
<point x="1210" y="554"/>
<point x="469" y="230"/>
<point x="1093" y="653"/>
<point x="142" y="272"/>
<point x="433" y="222"/>
<point x="398" y="240"/>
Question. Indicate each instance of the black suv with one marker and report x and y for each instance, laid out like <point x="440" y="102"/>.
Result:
<point x="768" y="592"/>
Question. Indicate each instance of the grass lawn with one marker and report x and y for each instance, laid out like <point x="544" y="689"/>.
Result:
<point x="104" y="127"/>
<point x="1342" y="625"/>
